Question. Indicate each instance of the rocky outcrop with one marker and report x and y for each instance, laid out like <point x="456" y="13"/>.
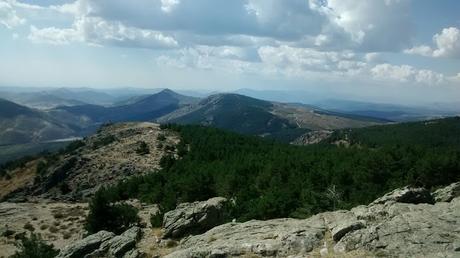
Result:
<point x="196" y="217"/>
<point x="407" y="195"/>
<point x="102" y="159"/>
<point x="448" y="193"/>
<point x="403" y="223"/>
<point x="86" y="246"/>
<point x="279" y="238"/>
<point x="105" y="244"/>
<point x="312" y="137"/>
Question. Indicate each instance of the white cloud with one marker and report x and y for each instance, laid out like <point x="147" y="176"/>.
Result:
<point x="8" y="15"/>
<point x="377" y="25"/>
<point x="54" y="35"/>
<point x="100" y="32"/>
<point x="447" y="44"/>
<point x="406" y="74"/>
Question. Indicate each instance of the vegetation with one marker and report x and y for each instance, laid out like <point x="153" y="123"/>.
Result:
<point x="268" y="179"/>
<point x="104" y="215"/>
<point x="161" y="137"/>
<point x="143" y="148"/>
<point x="35" y="247"/>
<point x="103" y="141"/>
<point x="156" y="220"/>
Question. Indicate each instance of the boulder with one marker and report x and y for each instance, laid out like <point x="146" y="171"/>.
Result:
<point x="272" y="238"/>
<point x="384" y="229"/>
<point x="409" y="230"/>
<point x="85" y="246"/>
<point x="195" y="218"/>
<point x="120" y="245"/>
<point x="104" y="244"/>
<point x="448" y="193"/>
<point x="406" y="195"/>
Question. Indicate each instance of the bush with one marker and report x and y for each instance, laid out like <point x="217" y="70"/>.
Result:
<point x="35" y="247"/>
<point x="161" y="137"/>
<point x="156" y="220"/>
<point x="143" y="148"/>
<point x="103" y="215"/>
<point x="42" y="166"/>
<point x="106" y="140"/>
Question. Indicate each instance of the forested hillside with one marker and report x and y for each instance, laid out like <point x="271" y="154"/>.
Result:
<point x="267" y="179"/>
<point x="433" y="133"/>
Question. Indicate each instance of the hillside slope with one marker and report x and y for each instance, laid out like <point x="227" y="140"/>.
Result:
<point x="19" y="124"/>
<point x="248" y="115"/>
<point x="112" y="154"/>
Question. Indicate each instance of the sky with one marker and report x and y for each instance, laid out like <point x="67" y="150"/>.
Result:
<point x="395" y="51"/>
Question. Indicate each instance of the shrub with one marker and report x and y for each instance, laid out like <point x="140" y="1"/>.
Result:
<point x="34" y="247"/>
<point x="143" y="148"/>
<point x="156" y="220"/>
<point x="106" y="140"/>
<point x="161" y="137"/>
<point x="104" y="215"/>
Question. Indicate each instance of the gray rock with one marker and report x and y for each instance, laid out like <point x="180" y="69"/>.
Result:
<point x="448" y="193"/>
<point x="275" y="238"/>
<point x="195" y="218"/>
<point x="385" y="228"/>
<point x="132" y="254"/>
<point x="409" y="230"/>
<point x="123" y="243"/>
<point x="85" y="246"/>
<point x="341" y="223"/>
<point x="406" y="195"/>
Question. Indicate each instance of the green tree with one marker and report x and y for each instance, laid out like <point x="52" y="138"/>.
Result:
<point x="34" y="247"/>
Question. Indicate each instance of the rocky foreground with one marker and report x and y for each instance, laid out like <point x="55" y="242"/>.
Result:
<point x="408" y="222"/>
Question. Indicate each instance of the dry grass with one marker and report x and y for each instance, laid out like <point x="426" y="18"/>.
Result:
<point x="19" y="178"/>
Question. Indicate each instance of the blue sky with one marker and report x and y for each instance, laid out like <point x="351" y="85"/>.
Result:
<point x="381" y="50"/>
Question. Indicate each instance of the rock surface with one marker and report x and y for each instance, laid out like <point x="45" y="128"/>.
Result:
<point x="86" y="246"/>
<point x="280" y="238"/>
<point x="448" y="193"/>
<point x="389" y="227"/>
<point x="104" y="244"/>
<point x="195" y="218"/>
<point x="407" y="195"/>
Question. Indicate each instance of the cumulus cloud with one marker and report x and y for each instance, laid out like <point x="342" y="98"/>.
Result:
<point x="447" y="44"/>
<point x="54" y="36"/>
<point x="100" y="32"/>
<point x="378" y="25"/>
<point x="8" y="15"/>
<point x="298" y="60"/>
<point x="406" y="74"/>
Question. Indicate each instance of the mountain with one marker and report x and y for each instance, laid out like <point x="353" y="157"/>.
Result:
<point x="39" y="100"/>
<point x="144" y="108"/>
<point x="248" y="115"/>
<point x="398" y="113"/>
<point x="84" y="95"/>
<point x="20" y="124"/>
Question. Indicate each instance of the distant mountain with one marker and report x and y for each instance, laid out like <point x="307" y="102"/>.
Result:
<point x="84" y="95"/>
<point x="20" y="124"/>
<point x="142" y="108"/>
<point x="398" y="113"/>
<point x="254" y="116"/>
<point x="40" y="100"/>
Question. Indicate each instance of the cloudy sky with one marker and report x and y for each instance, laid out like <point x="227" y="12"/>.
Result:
<point x="382" y="50"/>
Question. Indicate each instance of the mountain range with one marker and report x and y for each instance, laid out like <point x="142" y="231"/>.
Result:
<point x="69" y="113"/>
